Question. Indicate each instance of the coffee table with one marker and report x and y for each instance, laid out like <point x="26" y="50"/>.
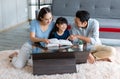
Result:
<point x="57" y="60"/>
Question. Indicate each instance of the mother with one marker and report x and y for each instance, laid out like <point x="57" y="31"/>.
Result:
<point x="39" y="32"/>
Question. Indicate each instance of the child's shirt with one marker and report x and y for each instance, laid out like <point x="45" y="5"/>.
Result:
<point x="63" y="36"/>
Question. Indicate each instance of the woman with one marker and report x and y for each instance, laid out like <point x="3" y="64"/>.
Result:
<point x="39" y="32"/>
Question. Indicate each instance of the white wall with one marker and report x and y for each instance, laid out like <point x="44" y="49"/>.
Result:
<point x="9" y="16"/>
<point x="22" y="10"/>
<point x="12" y="12"/>
<point x="0" y="16"/>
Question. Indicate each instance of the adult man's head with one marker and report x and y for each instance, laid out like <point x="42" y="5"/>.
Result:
<point x="81" y="19"/>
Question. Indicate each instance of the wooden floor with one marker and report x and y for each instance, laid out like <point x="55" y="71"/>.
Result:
<point x="14" y="38"/>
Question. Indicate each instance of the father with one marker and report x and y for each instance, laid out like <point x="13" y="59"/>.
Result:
<point x="85" y="29"/>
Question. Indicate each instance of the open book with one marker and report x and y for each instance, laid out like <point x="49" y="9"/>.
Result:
<point x="56" y="42"/>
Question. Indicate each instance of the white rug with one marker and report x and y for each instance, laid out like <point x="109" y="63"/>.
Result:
<point x="98" y="70"/>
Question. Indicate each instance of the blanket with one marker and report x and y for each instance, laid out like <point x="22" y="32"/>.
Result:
<point x="98" y="70"/>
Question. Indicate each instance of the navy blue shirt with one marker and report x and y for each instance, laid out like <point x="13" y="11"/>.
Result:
<point x="63" y="36"/>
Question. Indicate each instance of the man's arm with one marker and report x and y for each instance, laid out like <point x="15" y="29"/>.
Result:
<point x="94" y="33"/>
<point x="84" y="38"/>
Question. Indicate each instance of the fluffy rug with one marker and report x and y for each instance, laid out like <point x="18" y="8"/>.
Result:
<point x="98" y="70"/>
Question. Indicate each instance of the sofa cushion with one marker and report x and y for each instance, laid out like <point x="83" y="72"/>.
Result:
<point x="111" y="23"/>
<point x="115" y="23"/>
<point x="97" y="8"/>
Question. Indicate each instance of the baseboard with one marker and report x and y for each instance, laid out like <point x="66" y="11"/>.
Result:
<point x="13" y="26"/>
<point x="110" y="42"/>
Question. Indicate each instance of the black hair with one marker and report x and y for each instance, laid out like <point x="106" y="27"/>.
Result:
<point x="60" y="20"/>
<point x="83" y="15"/>
<point x="42" y="12"/>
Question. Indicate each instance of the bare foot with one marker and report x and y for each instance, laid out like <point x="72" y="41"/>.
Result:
<point x="13" y="55"/>
<point x="91" y="59"/>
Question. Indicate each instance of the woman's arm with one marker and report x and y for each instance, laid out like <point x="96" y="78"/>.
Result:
<point x="35" y="39"/>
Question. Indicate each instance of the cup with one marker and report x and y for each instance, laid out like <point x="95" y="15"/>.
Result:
<point x="81" y="47"/>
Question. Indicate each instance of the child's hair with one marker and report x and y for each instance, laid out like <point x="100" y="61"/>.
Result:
<point x="60" y="20"/>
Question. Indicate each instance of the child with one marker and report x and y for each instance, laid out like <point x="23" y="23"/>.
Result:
<point x="60" y="30"/>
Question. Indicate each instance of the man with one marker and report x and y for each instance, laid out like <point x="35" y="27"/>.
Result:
<point x="87" y="30"/>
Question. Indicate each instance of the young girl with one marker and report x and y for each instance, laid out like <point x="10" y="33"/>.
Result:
<point x="60" y="30"/>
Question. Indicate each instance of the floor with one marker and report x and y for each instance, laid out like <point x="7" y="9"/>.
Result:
<point x="14" y="37"/>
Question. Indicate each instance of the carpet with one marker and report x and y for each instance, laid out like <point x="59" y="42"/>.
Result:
<point x="98" y="70"/>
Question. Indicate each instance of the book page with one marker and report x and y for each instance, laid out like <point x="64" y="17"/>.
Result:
<point x="65" y="42"/>
<point x="56" y="42"/>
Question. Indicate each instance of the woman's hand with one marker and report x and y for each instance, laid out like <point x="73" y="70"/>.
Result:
<point x="46" y="41"/>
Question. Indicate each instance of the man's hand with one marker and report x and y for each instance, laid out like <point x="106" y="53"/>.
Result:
<point x="72" y="37"/>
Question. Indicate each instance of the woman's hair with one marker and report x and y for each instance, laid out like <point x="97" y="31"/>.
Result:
<point x="60" y="20"/>
<point x="83" y="15"/>
<point x="42" y="12"/>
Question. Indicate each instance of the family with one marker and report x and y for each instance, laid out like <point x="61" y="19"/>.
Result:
<point x="43" y="28"/>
